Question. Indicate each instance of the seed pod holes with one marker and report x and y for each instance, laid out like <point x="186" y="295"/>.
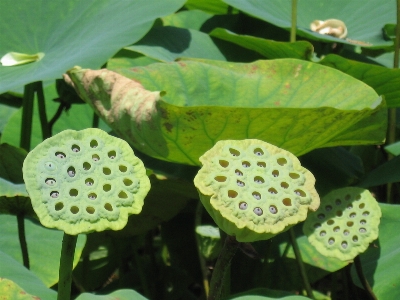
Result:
<point x="238" y="173"/>
<point x="93" y="144"/>
<point x="95" y="157"/>
<point x="60" y="155"/>
<point x="71" y="171"/>
<point x="287" y="202"/>
<point x="240" y="183"/>
<point x="234" y="152"/>
<point x="112" y="154"/>
<point x="54" y="194"/>
<point x="258" y="152"/>
<point x="243" y="205"/>
<point x="258" y="180"/>
<point x="273" y="210"/>
<point x="73" y="192"/>
<point x="275" y="173"/>
<point x="75" y="148"/>
<point x="223" y="163"/>
<point x="256" y="195"/>
<point x="50" y="181"/>
<point x="246" y="164"/>
<point x="258" y="211"/>
<point x="89" y="181"/>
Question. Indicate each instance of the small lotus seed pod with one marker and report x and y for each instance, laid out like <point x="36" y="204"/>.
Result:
<point x="254" y="190"/>
<point x="85" y="181"/>
<point x="345" y="224"/>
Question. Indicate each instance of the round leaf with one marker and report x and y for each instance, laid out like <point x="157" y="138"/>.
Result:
<point x="293" y="104"/>
<point x="71" y="33"/>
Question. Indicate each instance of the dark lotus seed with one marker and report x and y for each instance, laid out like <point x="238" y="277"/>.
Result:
<point x="258" y="211"/>
<point x="365" y="213"/>
<point x="60" y="155"/>
<point x="75" y="148"/>
<point x="240" y="183"/>
<point x="331" y="241"/>
<point x="328" y="208"/>
<point x="257" y="196"/>
<point x="54" y="194"/>
<point x="321" y="216"/>
<point x="258" y="153"/>
<point x="245" y="164"/>
<point x="242" y="205"/>
<point x="363" y="230"/>
<point x="346" y="232"/>
<point x="355" y="238"/>
<point x="336" y="229"/>
<point x="273" y="209"/>
<point x="322" y="233"/>
<point x="363" y="222"/>
<point x="71" y="172"/>
<point x="352" y="215"/>
<point x="50" y="181"/>
<point x="95" y="157"/>
<point x="344" y="245"/>
<point x="238" y="173"/>
<point x="261" y="164"/>
<point x="92" y="196"/>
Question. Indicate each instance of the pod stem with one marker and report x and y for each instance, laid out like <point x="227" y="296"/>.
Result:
<point x="222" y="267"/>
<point x="362" y="278"/>
<point x="66" y="264"/>
<point x="294" y="22"/>
<point x="22" y="240"/>
<point x="203" y="265"/>
<point x="300" y="263"/>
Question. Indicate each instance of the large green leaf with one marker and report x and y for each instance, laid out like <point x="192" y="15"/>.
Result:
<point x="13" y="270"/>
<point x="380" y="263"/>
<point x="384" y="81"/>
<point x="71" y="33"/>
<point x="210" y="6"/>
<point x="385" y="173"/>
<point x="268" y="48"/>
<point x="44" y="247"/>
<point x="364" y="22"/>
<point x="118" y="294"/>
<point x="293" y="104"/>
<point x="169" y="43"/>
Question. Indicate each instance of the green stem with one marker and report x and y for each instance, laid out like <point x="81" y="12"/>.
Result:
<point x="363" y="279"/>
<point x="221" y="267"/>
<point x="42" y="110"/>
<point x="299" y="260"/>
<point x="95" y="122"/>
<point x="66" y="263"/>
<point x="294" y="22"/>
<point x="22" y="240"/>
<point x="203" y="265"/>
<point x="27" y="116"/>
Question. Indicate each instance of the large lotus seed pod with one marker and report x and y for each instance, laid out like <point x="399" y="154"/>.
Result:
<point x="345" y="224"/>
<point x="254" y="190"/>
<point x="84" y="181"/>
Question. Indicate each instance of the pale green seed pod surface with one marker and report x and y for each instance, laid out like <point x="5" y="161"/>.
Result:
<point x="345" y="224"/>
<point x="85" y="181"/>
<point x="254" y="190"/>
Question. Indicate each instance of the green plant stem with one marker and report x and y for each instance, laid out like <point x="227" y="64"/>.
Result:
<point x="42" y="110"/>
<point x="299" y="260"/>
<point x="294" y="22"/>
<point x="22" y="240"/>
<point x="27" y="116"/>
<point x="221" y="267"/>
<point x="66" y="263"/>
<point x="363" y="279"/>
<point x="95" y="122"/>
<point x="203" y="265"/>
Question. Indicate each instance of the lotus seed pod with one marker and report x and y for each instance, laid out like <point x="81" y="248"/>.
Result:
<point x="345" y="224"/>
<point x="254" y="190"/>
<point x="85" y="181"/>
